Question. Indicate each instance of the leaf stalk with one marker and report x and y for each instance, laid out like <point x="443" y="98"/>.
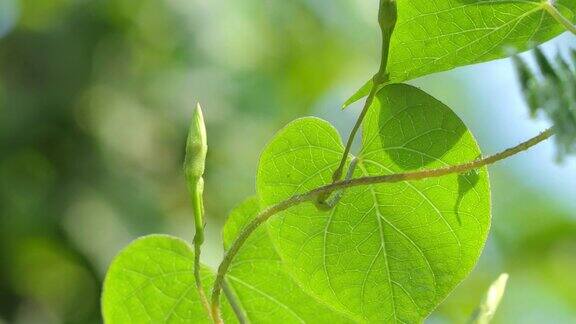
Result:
<point x="387" y="17"/>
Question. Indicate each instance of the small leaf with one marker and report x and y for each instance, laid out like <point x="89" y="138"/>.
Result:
<point x="152" y="281"/>
<point x="361" y="93"/>
<point x="527" y="80"/>
<point x="491" y="301"/>
<point x="389" y="252"/>
<point x="438" y="35"/>
<point x="564" y="66"/>
<point x="545" y="66"/>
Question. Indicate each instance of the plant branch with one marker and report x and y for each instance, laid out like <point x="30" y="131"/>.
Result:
<point x="264" y="215"/>
<point x="556" y="14"/>
<point x="387" y="16"/>
<point x="338" y="173"/>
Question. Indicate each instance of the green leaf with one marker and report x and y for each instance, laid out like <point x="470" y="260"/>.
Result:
<point x="438" y="35"/>
<point x="152" y="281"/>
<point x="266" y="293"/>
<point x="389" y="252"/>
<point x="359" y="94"/>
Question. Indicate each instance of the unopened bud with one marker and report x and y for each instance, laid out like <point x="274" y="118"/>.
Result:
<point x="387" y="14"/>
<point x="196" y="148"/>
<point x="194" y="164"/>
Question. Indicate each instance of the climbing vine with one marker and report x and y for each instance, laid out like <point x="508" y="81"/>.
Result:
<point x="379" y="235"/>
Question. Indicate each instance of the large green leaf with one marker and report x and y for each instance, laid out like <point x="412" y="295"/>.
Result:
<point x="390" y="252"/>
<point x="152" y="281"/>
<point x="266" y="293"/>
<point x="439" y="35"/>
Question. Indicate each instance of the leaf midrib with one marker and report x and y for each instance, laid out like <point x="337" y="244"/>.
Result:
<point x="466" y="6"/>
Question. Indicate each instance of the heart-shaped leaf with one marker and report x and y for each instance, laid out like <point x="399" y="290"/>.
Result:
<point x="438" y="35"/>
<point x="389" y="252"/>
<point x="152" y="281"/>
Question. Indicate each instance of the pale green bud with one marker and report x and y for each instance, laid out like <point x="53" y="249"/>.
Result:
<point x="194" y="164"/>
<point x="196" y="148"/>
<point x="387" y="14"/>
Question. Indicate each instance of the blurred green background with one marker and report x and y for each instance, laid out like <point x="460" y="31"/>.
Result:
<point x="95" y="100"/>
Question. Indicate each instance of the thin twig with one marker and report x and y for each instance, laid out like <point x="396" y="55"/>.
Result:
<point x="198" y="206"/>
<point x="264" y="215"/>
<point x="338" y="173"/>
<point x="387" y="17"/>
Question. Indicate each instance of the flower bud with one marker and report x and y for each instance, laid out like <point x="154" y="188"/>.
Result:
<point x="196" y="148"/>
<point x="387" y="14"/>
<point x="194" y="164"/>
